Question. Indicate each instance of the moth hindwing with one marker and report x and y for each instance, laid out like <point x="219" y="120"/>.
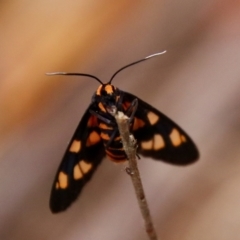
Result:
<point x="97" y="135"/>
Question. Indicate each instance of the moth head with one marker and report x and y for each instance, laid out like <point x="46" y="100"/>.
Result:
<point x="107" y="95"/>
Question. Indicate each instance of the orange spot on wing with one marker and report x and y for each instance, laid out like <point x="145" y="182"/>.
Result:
<point x="63" y="180"/>
<point x="93" y="138"/>
<point x="85" y="167"/>
<point x="77" y="173"/>
<point x="138" y="123"/>
<point x="75" y="146"/>
<point x="147" y="145"/>
<point x="152" y="117"/>
<point x="183" y="138"/>
<point x="158" y="142"/>
<point x="175" y="137"/>
<point x="126" y="105"/>
<point x="92" y="122"/>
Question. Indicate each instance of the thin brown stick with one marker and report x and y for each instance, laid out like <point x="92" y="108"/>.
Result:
<point x="129" y="145"/>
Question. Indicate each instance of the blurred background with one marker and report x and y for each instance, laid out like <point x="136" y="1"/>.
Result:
<point x="196" y="84"/>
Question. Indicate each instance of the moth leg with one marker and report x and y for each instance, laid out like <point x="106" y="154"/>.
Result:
<point x="103" y="119"/>
<point x="119" y="103"/>
<point x="111" y="138"/>
<point x="132" y="108"/>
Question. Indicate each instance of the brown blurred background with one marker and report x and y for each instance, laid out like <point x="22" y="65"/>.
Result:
<point x="196" y="83"/>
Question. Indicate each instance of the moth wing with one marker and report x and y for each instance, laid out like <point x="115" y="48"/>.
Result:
<point x="159" y="137"/>
<point x="82" y="157"/>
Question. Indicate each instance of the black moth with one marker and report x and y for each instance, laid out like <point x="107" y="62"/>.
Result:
<point x="97" y="135"/>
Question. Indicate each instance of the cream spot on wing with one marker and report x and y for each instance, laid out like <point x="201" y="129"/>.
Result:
<point x="152" y="117"/>
<point x="75" y="147"/>
<point x="93" y="138"/>
<point x="63" y="180"/>
<point x="175" y="137"/>
<point x="147" y="145"/>
<point x="85" y="167"/>
<point x="158" y="142"/>
<point x="77" y="174"/>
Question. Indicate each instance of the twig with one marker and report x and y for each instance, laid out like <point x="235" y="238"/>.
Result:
<point x="129" y="145"/>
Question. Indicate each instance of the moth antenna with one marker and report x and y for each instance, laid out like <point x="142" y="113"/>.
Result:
<point x="75" y="74"/>
<point x="144" y="59"/>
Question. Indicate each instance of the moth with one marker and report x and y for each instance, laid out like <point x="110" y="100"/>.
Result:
<point x="97" y="135"/>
